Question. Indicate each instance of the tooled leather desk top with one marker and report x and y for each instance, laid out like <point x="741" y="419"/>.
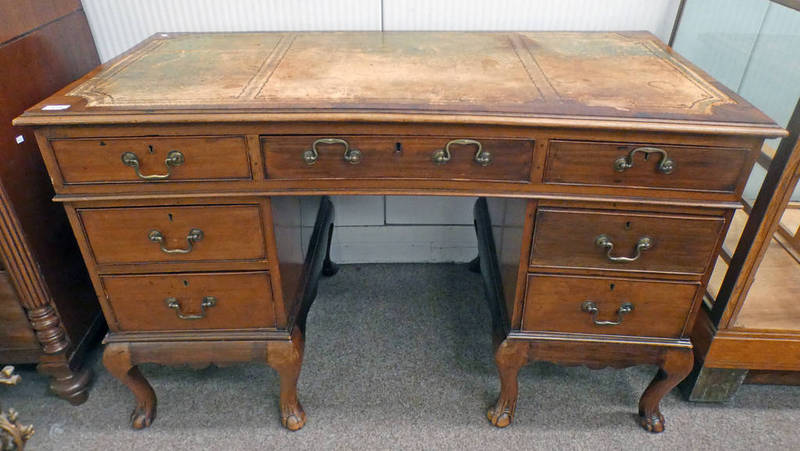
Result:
<point x="535" y="78"/>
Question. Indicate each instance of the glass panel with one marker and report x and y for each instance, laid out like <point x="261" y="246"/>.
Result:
<point x="772" y="79"/>
<point x="751" y="46"/>
<point x="718" y="36"/>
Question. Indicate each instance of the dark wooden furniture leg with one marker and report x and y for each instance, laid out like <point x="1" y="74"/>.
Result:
<point x="475" y="265"/>
<point x="676" y="365"/>
<point x="287" y="358"/>
<point x="329" y="268"/>
<point x="510" y="356"/>
<point x="68" y="379"/>
<point x="118" y="361"/>
<point x="70" y="384"/>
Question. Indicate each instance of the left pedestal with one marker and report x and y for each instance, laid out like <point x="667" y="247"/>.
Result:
<point x="199" y="318"/>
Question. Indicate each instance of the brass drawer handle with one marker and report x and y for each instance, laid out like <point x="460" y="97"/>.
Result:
<point x="352" y="156"/>
<point x="591" y="307"/>
<point x="666" y="165"/>
<point x="605" y="242"/>
<point x="174" y="159"/>
<point x="481" y="157"/>
<point x="194" y="236"/>
<point x="208" y="302"/>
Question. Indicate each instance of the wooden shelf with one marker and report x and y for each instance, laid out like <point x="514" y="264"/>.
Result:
<point x="766" y="156"/>
<point x="773" y="302"/>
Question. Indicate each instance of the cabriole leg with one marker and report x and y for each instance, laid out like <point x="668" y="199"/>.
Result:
<point x="117" y="360"/>
<point x="510" y="356"/>
<point x="287" y="358"/>
<point x="675" y="366"/>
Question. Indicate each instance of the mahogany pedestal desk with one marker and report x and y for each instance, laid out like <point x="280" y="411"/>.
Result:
<point x="608" y="169"/>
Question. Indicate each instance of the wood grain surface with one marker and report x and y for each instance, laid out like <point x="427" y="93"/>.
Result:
<point x="681" y="244"/>
<point x="120" y="235"/>
<point x="243" y="300"/>
<point x="100" y="160"/>
<point x="660" y="309"/>
<point x="695" y="168"/>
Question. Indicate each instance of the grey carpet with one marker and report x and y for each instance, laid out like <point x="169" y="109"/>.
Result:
<point x="399" y="357"/>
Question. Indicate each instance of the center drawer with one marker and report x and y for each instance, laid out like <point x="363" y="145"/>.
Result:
<point x="371" y="157"/>
<point x="593" y="305"/>
<point x="191" y="301"/>
<point x="624" y="241"/>
<point x="174" y="234"/>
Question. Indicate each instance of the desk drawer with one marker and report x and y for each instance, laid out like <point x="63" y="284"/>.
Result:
<point x="714" y="169"/>
<point x="679" y="244"/>
<point x="163" y="160"/>
<point x="191" y="301"/>
<point x="369" y="157"/>
<point x="642" y="308"/>
<point x="174" y="234"/>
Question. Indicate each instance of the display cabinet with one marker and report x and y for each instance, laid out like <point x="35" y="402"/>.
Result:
<point x="749" y="327"/>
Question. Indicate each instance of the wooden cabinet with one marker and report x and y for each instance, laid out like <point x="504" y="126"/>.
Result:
<point x="749" y="328"/>
<point x="605" y="196"/>
<point x="48" y="312"/>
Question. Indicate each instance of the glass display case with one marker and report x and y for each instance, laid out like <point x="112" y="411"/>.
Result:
<point x="749" y="329"/>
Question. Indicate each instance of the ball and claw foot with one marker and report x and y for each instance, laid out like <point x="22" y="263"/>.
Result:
<point x="142" y="417"/>
<point x="500" y="415"/>
<point x="652" y="423"/>
<point x="293" y="418"/>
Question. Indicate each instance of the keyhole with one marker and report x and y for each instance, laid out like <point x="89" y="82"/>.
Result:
<point x="150" y="149"/>
<point x="646" y="156"/>
<point x="398" y="147"/>
<point x="102" y="143"/>
<point x="169" y="215"/>
<point x="611" y="287"/>
<point x="628" y="225"/>
<point x="185" y="283"/>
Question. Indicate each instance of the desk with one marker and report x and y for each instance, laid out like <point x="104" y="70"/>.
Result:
<point x="608" y="170"/>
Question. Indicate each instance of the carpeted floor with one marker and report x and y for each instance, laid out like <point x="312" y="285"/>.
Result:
<point x="399" y="356"/>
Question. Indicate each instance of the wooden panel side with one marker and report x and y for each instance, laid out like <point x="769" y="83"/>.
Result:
<point x="754" y="350"/>
<point x="286" y="243"/>
<point x="18" y="17"/>
<point x="17" y="335"/>
<point x="64" y="50"/>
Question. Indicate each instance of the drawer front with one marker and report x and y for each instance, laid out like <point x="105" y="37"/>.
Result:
<point x="714" y="169"/>
<point x="610" y="306"/>
<point x="191" y="301"/>
<point x="174" y="234"/>
<point x="296" y="157"/>
<point x="574" y="239"/>
<point x="149" y="160"/>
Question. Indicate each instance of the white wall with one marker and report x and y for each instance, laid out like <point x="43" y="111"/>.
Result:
<point x="377" y="228"/>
